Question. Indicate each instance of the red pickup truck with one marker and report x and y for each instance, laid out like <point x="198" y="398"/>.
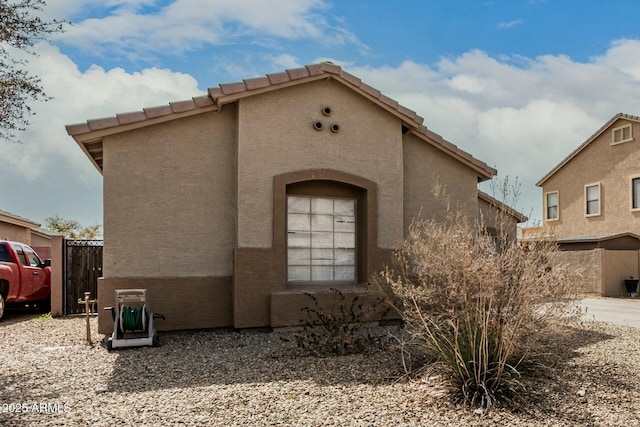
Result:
<point x="24" y="277"/>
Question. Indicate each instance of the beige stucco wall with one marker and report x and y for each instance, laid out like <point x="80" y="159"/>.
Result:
<point x="15" y="233"/>
<point x="610" y="165"/>
<point x="423" y="165"/>
<point x="490" y="217"/>
<point x="619" y="265"/>
<point x="169" y="198"/>
<point x="590" y="263"/>
<point x="276" y="136"/>
<point x="37" y="240"/>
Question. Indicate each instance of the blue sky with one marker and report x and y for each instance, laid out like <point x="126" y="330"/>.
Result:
<point x="519" y="84"/>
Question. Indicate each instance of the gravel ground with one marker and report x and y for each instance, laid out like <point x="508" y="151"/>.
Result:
<point x="51" y="377"/>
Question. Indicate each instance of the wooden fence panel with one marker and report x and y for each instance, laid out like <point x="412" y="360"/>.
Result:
<point x="83" y="267"/>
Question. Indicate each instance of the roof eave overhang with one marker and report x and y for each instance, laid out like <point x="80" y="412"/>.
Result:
<point x="17" y="221"/>
<point x="95" y="137"/>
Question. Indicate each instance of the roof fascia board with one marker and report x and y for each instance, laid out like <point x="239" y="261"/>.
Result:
<point x="17" y="221"/>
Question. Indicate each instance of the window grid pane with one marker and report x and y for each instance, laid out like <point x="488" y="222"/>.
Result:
<point x="593" y="199"/>
<point x="552" y="206"/>
<point x="636" y="193"/>
<point x="320" y="239"/>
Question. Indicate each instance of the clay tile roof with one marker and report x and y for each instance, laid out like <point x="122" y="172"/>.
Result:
<point x="278" y="78"/>
<point x="133" y="117"/>
<point x="231" y="88"/>
<point x="577" y="151"/>
<point x="153" y="112"/>
<point x="93" y="131"/>
<point x="203" y="101"/>
<point x="298" y="73"/>
<point x="181" y="106"/>
<point x="256" y="83"/>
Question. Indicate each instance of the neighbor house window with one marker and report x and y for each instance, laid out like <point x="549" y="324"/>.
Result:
<point x="621" y="134"/>
<point x="551" y="206"/>
<point x="592" y="197"/>
<point x="635" y="193"/>
<point x="321" y="239"/>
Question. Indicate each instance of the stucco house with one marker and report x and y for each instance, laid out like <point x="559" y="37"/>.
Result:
<point x="19" y="229"/>
<point x="591" y="203"/>
<point x="228" y="207"/>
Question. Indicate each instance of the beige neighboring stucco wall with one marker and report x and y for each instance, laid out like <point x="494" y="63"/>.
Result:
<point x="610" y="165"/>
<point x="15" y="233"/>
<point x="423" y="166"/>
<point x="276" y="136"/>
<point x="169" y="198"/>
<point x="591" y="263"/>
<point x="619" y="265"/>
<point x="37" y="240"/>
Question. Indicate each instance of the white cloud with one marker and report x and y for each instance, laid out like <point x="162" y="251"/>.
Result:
<point x="510" y="23"/>
<point x="520" y="115"/>
<point x="185" y="25"/>
<point x="50" y="169"/>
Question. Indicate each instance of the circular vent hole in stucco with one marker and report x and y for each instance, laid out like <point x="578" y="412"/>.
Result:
<point x="335" y="128"/>
<point x="317" y="125"/>
<point x="326" y="111"/>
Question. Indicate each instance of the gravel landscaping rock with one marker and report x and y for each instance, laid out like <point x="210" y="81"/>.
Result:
<point x="51" y="377"/>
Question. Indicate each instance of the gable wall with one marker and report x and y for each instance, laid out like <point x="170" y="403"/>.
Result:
<point x="424" y="165"/>
<point x="276" y="136"/>
<point x="169" y="198"/>
<point x="612" y="166"/>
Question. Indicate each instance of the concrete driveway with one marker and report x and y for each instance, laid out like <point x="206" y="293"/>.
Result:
<point x="613" y="310"/>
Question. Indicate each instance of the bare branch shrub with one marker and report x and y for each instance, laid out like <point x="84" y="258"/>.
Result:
<point x="473" y="304"/>
<point x="340" y="329"/>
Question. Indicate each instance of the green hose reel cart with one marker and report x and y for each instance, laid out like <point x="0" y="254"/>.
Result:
<point x="133" y="323"/>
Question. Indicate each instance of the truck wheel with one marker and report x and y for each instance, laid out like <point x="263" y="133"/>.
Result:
<point x="1" y="305"/>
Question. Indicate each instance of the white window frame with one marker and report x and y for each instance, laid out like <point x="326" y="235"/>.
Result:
<point x="586" y="200"/>
<point x="621" y="130"/>
<point x="335" y="265"/>
<point x="546" y="206"/>
<point x="631" y="179"/>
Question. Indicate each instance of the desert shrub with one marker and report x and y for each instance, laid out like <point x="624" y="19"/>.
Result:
<point x="340" y="328"/>
<point x="473" y="304"/>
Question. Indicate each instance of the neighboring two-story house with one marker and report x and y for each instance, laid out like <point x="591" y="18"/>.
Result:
<point x="591" y="202"/>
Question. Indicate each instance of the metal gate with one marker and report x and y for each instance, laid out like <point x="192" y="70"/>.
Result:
<point x="82" y="267"/>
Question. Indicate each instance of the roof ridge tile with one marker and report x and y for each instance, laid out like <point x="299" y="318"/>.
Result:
<point x="159" y="111"/>
<point x="298" y="73"/>
<point x="278" y="78"/>
<point x="182" y="106"/>
<point x="257" y="83"/>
